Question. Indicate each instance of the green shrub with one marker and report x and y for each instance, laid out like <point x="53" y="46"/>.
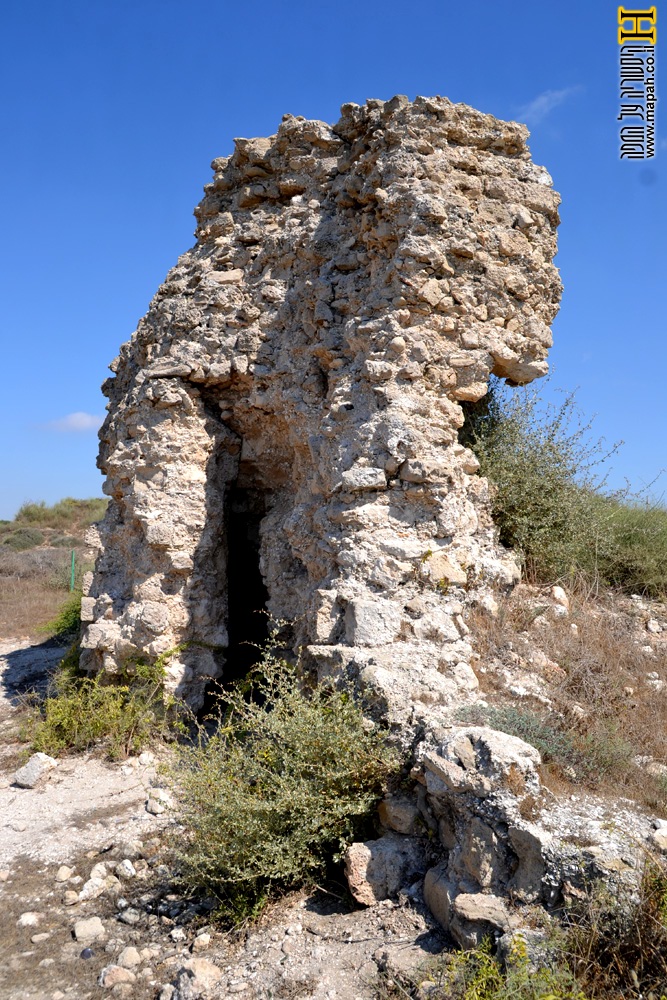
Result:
<point x="23" y="538"/>
<point x="549" y="503"/>
<point x="67" y="623"/>
<point x="121" y="714"/>
<point x="65" y="541"/>
<point x="281" y="786"/>
<point x="633" y="553"/>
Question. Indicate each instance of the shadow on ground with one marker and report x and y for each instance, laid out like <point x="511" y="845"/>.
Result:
<point x="26" y="668"/>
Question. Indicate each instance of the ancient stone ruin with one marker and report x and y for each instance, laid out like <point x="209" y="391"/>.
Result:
<point x="283" y="425"/>
<point x="283" y="438"/>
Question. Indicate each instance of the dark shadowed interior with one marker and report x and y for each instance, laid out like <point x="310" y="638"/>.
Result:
<point x="247" y="621"/>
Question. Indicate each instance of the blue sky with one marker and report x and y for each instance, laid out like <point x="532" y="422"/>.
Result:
<point x="112" y="112"/>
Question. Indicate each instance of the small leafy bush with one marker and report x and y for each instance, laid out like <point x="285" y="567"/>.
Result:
<point x="121" y="714"/>
<point x="478" y="975"/>
<point x="67" y="623"/>
<point x="23" y="539"/>
<point x="283" y="784"/>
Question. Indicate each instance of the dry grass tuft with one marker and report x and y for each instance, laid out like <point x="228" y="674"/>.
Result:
<point x="606" y="716"/>
<point x="33" y="586"/>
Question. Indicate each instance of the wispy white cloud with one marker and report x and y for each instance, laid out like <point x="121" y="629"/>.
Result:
<point x="76" y="423"/>
<point x="537" y="110"/>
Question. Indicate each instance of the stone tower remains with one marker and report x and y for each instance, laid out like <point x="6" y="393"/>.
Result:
<point x="283" y="425"/>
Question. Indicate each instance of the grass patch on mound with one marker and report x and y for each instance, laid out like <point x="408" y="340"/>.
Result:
<point x="68" y="514"/>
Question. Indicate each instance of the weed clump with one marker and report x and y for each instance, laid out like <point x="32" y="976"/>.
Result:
<point x="283" y="785"/>
<point x="66" y="624"/>
<point x="120" y="714"/>
<point x="23" y="539"/>
<point x="479" y="975"/>
<point x="617" y="941"/>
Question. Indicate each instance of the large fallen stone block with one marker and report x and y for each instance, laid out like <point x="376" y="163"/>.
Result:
<point x="378" y="869"/>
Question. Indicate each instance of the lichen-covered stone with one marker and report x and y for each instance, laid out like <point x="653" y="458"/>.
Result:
<point x="350" y="287"/>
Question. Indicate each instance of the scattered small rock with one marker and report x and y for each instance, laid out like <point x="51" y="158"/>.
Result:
<point x="129" y="958"/>
<point x="32" y="773"/>
<point x="93" y="888"/>
<point x="204" y="974"/>
<point x="89" y="929"/>
<point x="29" y="919"/>
<point x="560" y="597"/>
<point x="112" y="975"/>
<point x="64" y="873"/>
<point x="201" y="942"/>
<point x="159" y="800"/>
<point x="126" y="869"/>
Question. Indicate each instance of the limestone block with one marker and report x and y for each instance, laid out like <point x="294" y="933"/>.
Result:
<point x="531" y="845"/>
<point x="482" y="855"/>
<point x="506" y="760"/>
<point x="476" y="916"/>
<point x="88" y="609"/>
<point x="371" y="623"/>
<point x="400" y="813"/>
<point x="360" y="479"/>
<point x="378" y="869"/>
<point x="441" y="567"/>
<point x="439" y="892"/>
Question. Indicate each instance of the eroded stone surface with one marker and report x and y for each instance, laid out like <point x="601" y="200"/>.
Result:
<point x="303" y="367"/>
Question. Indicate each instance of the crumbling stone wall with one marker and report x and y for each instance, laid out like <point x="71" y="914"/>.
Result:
<point x="351" y="285"/>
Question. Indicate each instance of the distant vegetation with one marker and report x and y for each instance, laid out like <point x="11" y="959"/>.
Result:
<point x="68" y="514"/>
<point x="35" y="563"/>
<point x="551" y="505"/>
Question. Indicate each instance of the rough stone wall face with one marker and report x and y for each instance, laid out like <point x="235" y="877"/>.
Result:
<point x="351" y="285"/>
